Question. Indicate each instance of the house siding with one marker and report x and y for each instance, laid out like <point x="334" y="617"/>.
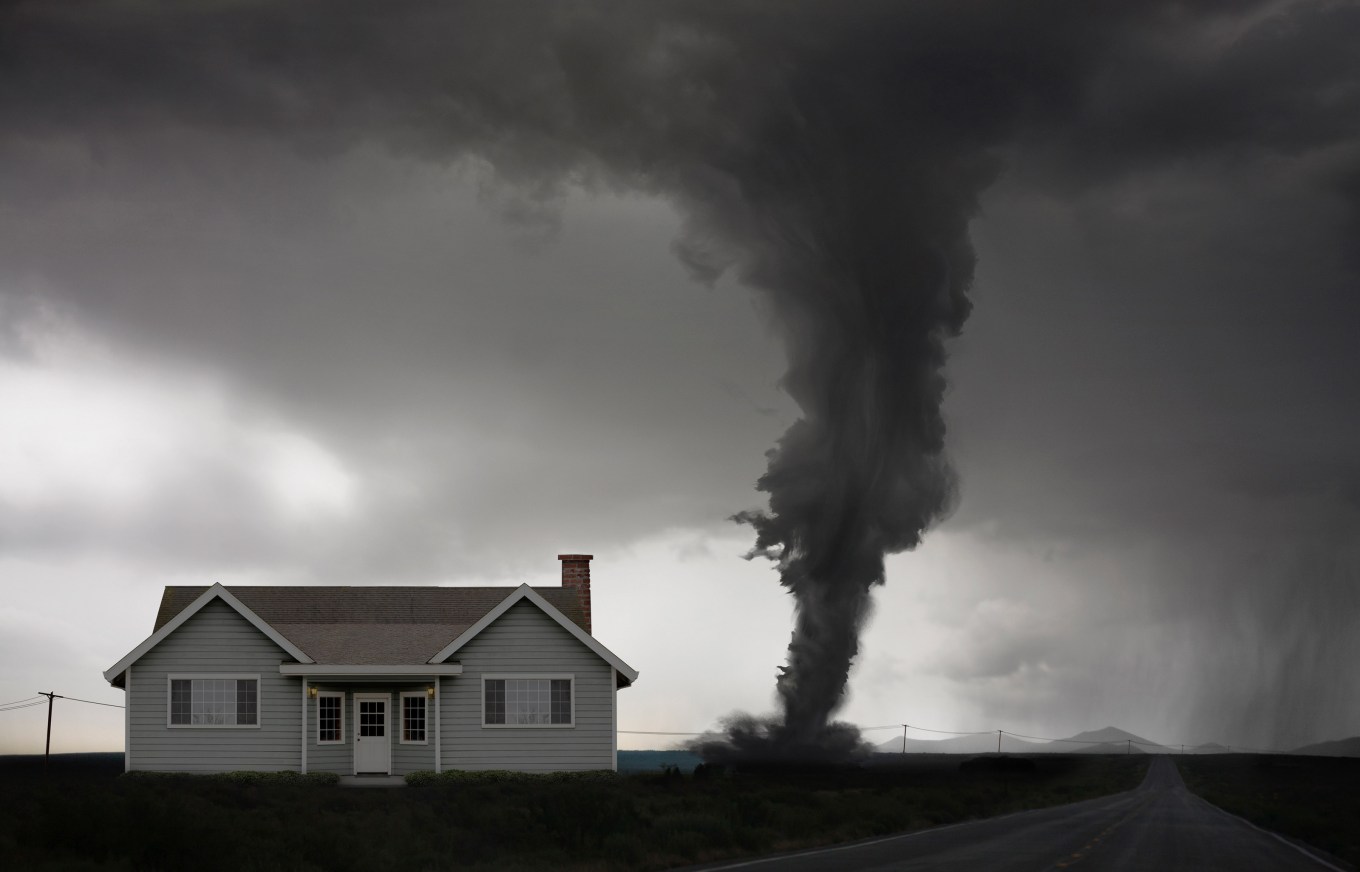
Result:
<point x="215" y="640"/>
<point x="340" y="758"/>
<point x="525" y="640"/>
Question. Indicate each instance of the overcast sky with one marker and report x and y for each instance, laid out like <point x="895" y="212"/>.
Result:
<point x="344" y="293"/>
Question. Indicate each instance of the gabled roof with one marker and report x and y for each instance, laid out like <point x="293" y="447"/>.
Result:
<point x="335" y="625"/>
<point x="209" y="594"/>
<point x="525" y="592"/>
<point x="370" y="626"/>
<point x="369" y="605"/>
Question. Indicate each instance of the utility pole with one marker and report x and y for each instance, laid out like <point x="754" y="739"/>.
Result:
<point x="1130" y="751"/>
<point x="904" y="738"/>
<point x="998" y="741"/>
<point x="51" y="695"/>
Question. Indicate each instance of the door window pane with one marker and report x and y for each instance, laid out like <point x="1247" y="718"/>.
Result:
<point x="372" y="717"/>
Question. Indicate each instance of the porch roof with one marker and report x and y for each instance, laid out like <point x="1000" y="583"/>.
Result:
<point x="370" y="672"/>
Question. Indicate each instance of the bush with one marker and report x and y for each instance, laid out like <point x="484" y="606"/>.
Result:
<point x="242" y="776"/>
<point x="427" y="778"/>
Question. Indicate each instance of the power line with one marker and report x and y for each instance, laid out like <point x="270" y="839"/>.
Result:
<point x="675" y="733"/>
<point x="1127" y="741"/>
<point x="33" y="701"/>
<point x="15" y="708"/>
<point x="1050" y="739"/>
<point x="91" y="702"/>
<point x="23" y="704"/>
<point x="950" y="732"/>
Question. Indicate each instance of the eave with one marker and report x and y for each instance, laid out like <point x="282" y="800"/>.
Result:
<point x="370" y="672"/>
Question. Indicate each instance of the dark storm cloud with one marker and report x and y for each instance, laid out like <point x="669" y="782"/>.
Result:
<point x="1287" y="82"/>
<point x="832" y="160"/>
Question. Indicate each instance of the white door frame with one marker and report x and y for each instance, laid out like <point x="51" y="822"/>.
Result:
<point x="386" y="700"/>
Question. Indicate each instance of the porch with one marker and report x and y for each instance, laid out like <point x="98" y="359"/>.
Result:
<point x="370" y="724"/>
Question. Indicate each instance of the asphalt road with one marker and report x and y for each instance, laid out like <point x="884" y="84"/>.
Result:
<point x="1160" y="826"/>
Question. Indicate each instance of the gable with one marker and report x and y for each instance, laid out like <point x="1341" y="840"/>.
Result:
<point x="212" y="596"/>
<point x="216" y="636"/>
<point x="529" y="597"/>
<point x="524" y="631"/>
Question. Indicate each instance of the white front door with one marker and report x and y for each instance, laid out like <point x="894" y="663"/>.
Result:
<point x="372" y="738"/>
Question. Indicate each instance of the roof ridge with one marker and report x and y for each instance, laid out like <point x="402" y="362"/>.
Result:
<point x="373" y="605"/>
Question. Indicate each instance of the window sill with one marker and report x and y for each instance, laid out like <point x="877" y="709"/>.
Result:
<point x="528" y="726"/>
<point x="213" y="726"/>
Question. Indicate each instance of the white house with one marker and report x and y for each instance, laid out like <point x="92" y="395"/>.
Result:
<point x="385" y="680"/>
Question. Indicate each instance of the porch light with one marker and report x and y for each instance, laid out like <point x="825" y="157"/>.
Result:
<point x="311" y="691"/>
<point x="429" y="691"/>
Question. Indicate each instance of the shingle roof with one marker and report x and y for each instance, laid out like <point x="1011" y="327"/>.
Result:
<point x="369" y="625"/>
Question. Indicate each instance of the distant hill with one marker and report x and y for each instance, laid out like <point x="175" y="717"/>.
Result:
<point x="1210" y="748"/>
<point x="975" y="744"/>
<point x="1110" y="740"/>
<point x="1340" y="748"/>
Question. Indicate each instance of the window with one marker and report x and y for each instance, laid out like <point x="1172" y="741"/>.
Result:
<point x="413" y="718"/>
<point x="330" y="717"/>
<point x="214" y="701"/>
<point x="372" y="717"/>
<point x="527" y="701"/>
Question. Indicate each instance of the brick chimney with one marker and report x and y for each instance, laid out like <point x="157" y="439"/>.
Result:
<point x="576" y="577"/>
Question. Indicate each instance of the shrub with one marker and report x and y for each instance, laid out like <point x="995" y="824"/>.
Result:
<point x="242" y="776"/>
<point x="426" y="778"/>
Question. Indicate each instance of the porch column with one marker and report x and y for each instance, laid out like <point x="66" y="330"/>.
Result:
<point x="304" y="725"/>
<point x="127" y="719"/>
<point x="438" y="762"/>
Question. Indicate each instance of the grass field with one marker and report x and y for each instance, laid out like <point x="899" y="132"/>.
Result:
<point x="1316" y="799"/>
<point x="84" y="815"/>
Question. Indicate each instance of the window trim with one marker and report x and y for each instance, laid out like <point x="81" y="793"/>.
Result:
<point x="321" y="694"/>
<point x="548" y="676"/>
<point x="401" y="731"/>
<point x="172" y="677"/>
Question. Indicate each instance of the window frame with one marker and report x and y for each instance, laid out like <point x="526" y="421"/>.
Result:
<point x="425" y="725"/>
<point x="172" y="677"/>
<point x="545" y="676"/>
<point x="322" y="694"/>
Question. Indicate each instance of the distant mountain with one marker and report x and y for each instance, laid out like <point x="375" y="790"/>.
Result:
<point x="980" y="743"/>
<point x="1340" y="748"/>
<point x="1109" y="740"/>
